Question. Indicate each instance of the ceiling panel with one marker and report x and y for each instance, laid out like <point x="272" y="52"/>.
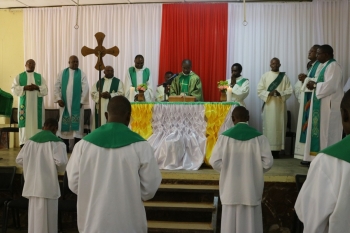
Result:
<point x="156" y="1"/>
<point x="10" y="3"/>
<point x="41" y="3"/>
<point x="99" y="2"/>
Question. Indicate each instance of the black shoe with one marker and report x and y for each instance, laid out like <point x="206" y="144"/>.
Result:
<point x="305" y="163"/>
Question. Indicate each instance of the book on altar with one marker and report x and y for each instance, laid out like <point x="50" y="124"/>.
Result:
<point x="179" y="98"/>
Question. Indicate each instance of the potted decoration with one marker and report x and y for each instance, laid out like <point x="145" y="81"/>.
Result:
<point x="223" y="85"/>
<point x="141" y="89"/>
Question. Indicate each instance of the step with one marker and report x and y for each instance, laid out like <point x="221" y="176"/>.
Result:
<point x="167" y="226"/>
<point x="180" y="206"/>
<point x="189" y="188"/>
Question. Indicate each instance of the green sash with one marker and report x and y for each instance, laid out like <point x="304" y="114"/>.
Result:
<point x="276" y="82"/>
<point x="45" y="136"/>
<point x="22" y="101"/>
<point x="242" y="132"/>
<point x="340" y="150"/>
<point x="114" y="88"/>
<point x="240" y="82"/>
<point x="306" y="104"/>
<point x="145" y="76"/>
<point x="71" y="123"/>
<point x="113" y="135"/>
<point x="316" y="115"/>
<point x="184" y="82"/>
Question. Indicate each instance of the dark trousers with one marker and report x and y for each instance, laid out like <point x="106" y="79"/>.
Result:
<point x="66" y="141"/>
<point x="275" y="154"/>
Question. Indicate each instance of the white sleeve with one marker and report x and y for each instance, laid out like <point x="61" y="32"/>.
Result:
<point x="58" y="85"/>
<point x="216" y="155"/>
<point x="84" y="89"/>
<point x="42" y="88"/>
<point x="127" y="84"/>
<point x="94" y="93"/>
<point x="262" y="89"/>
<point x="19" y="159"/>
<point x="16" y="89"/>
<point x="332" y="80"/>
<point x="73" y="167"/>
<point x="60" y="156"/>
<point x="266" y="155"/>
<point x="149" y="96"/>
<point x="297" y="90"/>
<point x="288" y="89"/>
<point x="120" y="90"/>
<point x="241" y="92"/>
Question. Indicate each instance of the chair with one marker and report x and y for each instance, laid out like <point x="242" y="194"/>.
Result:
<point x="289" y="133"/>
<point x="66" y="205"/>
<point x="12" y="128"/>
<point x="298" y="226"/>
<point x="52" y="113"/>
<point x="87" y="118"/>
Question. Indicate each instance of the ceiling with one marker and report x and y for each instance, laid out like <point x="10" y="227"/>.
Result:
<point x="5" y="4"/>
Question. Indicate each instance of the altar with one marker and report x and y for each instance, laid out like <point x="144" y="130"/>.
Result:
<point x="182" y="134"/>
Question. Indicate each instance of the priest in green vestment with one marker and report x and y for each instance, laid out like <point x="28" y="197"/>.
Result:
<point x="187" y="82"/>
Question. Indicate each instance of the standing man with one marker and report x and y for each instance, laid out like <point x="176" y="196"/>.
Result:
<point x="324" y="124"/>
<point x="274" y="89"/>
<point x="323" y="202"/>
<point x="137" y="75"/>
<point x="160" y="90"/>
<point x="241" y="155"/>
<point x="112" y="170"/>
<point x="110" y="86"/>
<point x="304" y="98"/>
<point x="30" y="87"/>
<point x="239" y="85"/>
<point x="42" y="157"/>
<point x="187" y="82"/>
<point x="71" y="93"/>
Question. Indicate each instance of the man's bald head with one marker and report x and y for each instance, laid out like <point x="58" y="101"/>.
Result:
<point x="240" y="114"/>
<point x="118" y="110"/>
<point x="345" y="112"/>
<point x="73" y="62"/>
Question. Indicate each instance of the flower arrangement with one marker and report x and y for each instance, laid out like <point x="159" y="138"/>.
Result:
<point x="142" y="87"/>
<point x="223" y="85"/>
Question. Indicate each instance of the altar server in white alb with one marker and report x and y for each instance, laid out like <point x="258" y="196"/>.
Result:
<point x="239" y="86"/>
<point x="241" y="155"/>
<point x="42" y="157"/>
<point x="111" y="86"/>
<point x="274" y="89"/>
<point x="112" y="170"/>
<point x="71" y="93"/>
<point x="323" y="202"/>
<point x="30" y="87"/>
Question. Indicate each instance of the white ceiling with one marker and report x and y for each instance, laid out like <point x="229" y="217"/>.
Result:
<point x="50" y="3"/>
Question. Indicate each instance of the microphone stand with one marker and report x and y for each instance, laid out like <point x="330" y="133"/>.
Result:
<point x="166" y="84"/>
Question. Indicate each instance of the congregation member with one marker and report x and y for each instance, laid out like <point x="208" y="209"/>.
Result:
<point x="324" y="126"/>
<point x="274" y="89"/>
<point x="42" y="157"/>
<point x="30" y="87"/>
<point x="71" y="93"/>
<point x="137" y="75"/>
<point x="110" y="86"/>
<point x="304" y="98"/>
<point x="112" y="170"/>
<point x="323" y="202"/>
<point x="160" y="90"/>
<point x="239" y="85"/>
<point x="241" y="155"/>
<point x="187" y="82"/>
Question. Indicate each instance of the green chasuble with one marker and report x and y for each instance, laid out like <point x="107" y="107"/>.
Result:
<point x="45" y="136"/>
<point x="113" y="135"/>
<point x="242" y="132"/>
<point x="145" y="76"/>
<point x="194" y="87"/>
<point x="340" y="150"/>
<point x="22" y="101"/>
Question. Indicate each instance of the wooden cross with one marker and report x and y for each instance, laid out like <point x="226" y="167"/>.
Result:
<point x="99" y="52"/>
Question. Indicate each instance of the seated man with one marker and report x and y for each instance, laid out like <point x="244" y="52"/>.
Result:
<point x="187" y="82"/>
<point x="160" y="89"/>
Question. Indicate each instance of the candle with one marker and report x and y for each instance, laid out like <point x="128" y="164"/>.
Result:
<point x="132" y="94"/>
<point x="229" y="94"/>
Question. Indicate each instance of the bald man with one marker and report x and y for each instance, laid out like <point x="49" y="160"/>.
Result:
<point x="241" y="155"/>
<point x="30" y="87"/>
<point x="274" y="89"/>
<point x="112" y="170"/>
<point x="71" y="93"/>
<point x="110" y="87"/>
<point x="323" y="202"/>
<point x="187" y="82"/>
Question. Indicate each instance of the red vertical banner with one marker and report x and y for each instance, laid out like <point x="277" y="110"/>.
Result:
<point x="197" y="32"/>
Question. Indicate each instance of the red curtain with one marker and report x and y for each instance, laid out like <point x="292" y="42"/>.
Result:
<point x="197" y="32"/>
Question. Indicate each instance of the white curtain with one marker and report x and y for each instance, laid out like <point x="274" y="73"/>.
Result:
<point x="286" y="31"/>
<point x="50" y="38"/>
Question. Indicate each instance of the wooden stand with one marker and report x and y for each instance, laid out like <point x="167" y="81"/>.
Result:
<point x="223" y="97"/>
<point x="179" y="98"/>
<point x="141" y="96"/>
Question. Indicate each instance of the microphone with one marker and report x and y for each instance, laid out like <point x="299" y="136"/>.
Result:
<point x="173" y="76"/>
<point x="169" y="80"/>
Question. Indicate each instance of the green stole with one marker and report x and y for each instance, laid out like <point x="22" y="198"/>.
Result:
<point x="274" y="85"/>
<point x="184" y="82"/>
<point x="113" y="135"/>
<point x="145" y="76"/>
<point x="71" y="122"/>
<point x="45" y="136"/>
<point x="340" y="150"/>
<point x="22" y="101"/>
<point x="113" y="88"/>
<point x="316" y="115"/>
<point x="240" y="82"/>
<point x="242" y="132"/>
<point x="306" y="104"/>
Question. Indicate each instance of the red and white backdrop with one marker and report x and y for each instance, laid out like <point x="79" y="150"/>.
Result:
<point x="210" y="34"/>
